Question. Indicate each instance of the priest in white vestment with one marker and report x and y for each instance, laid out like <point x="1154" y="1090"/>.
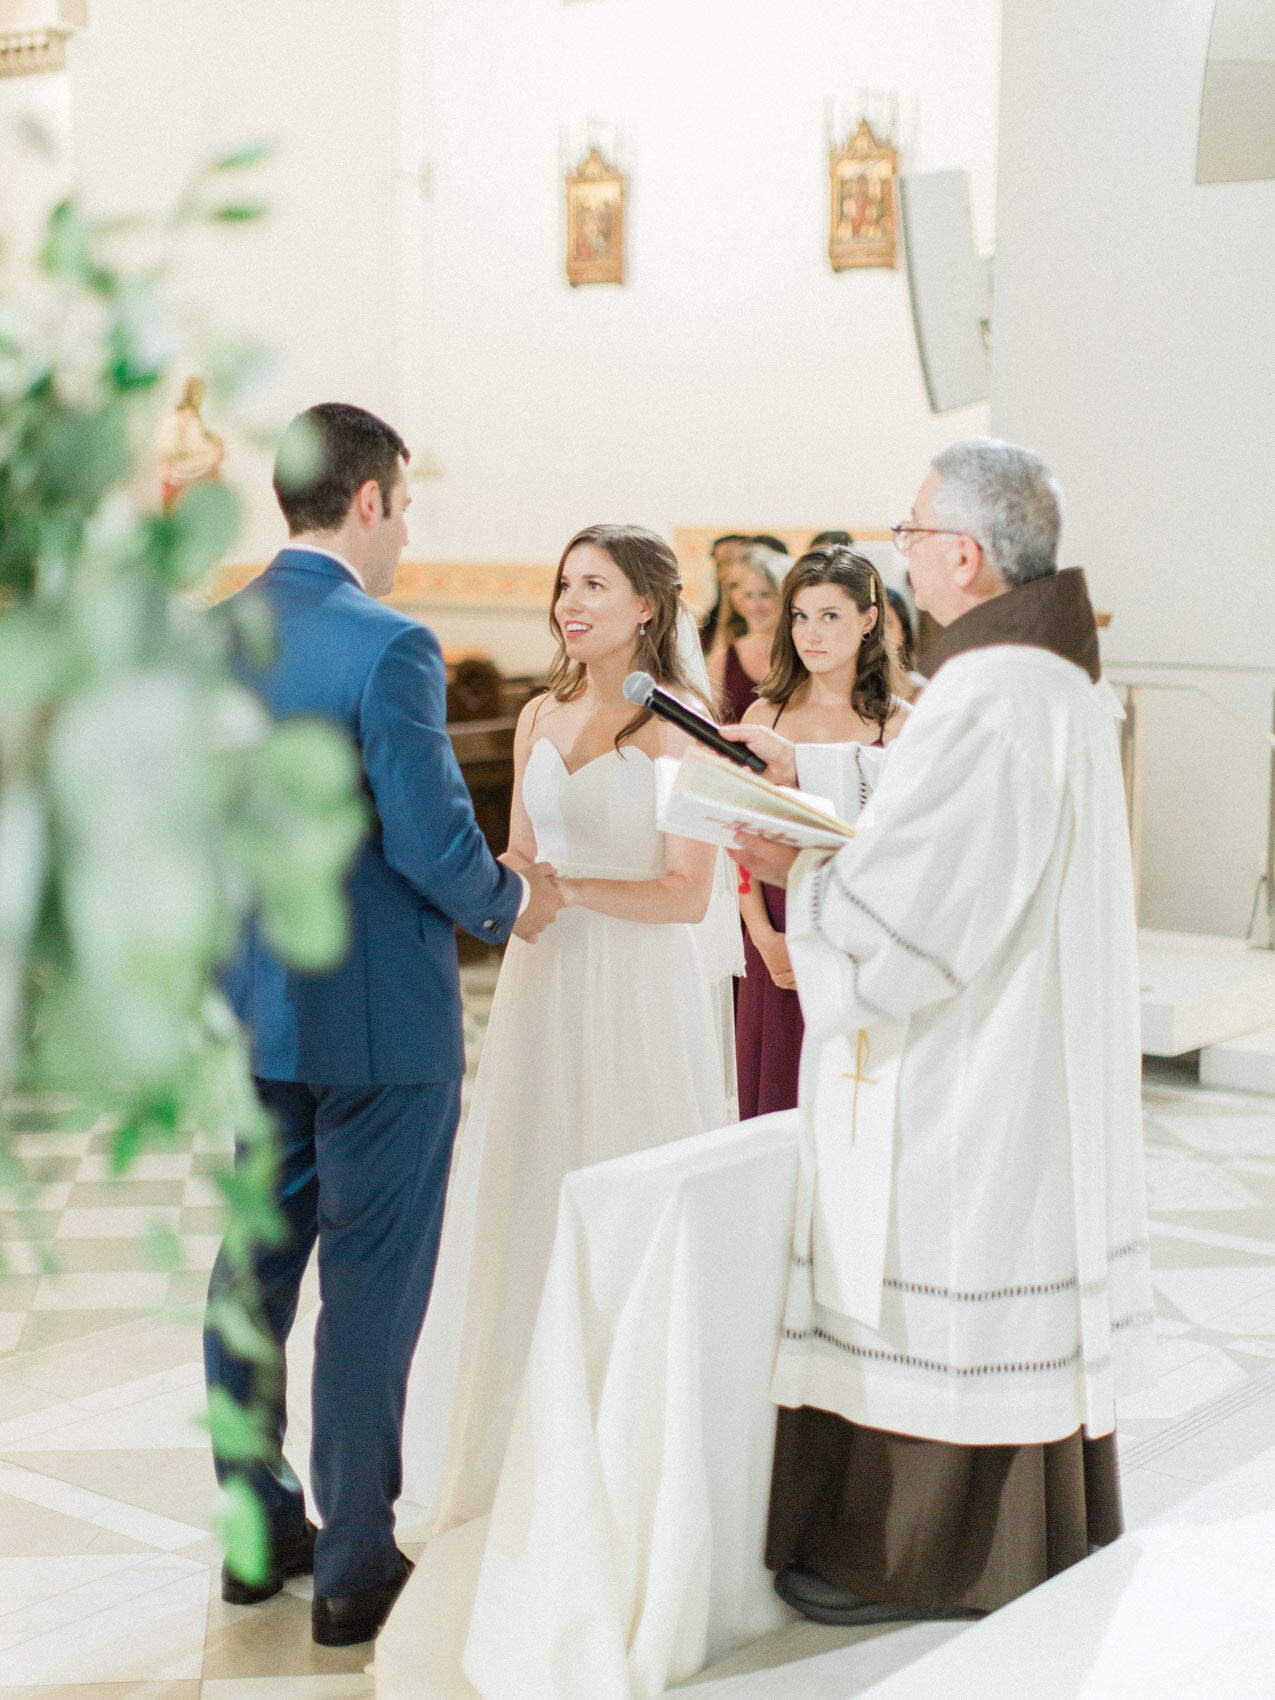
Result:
<point x="970" y="1282"/>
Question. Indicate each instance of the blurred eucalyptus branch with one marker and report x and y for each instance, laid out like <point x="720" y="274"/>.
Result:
<point x="147" y="803"/>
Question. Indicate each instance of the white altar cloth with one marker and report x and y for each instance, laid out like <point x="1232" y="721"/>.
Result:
<point x="624" y="1551"/>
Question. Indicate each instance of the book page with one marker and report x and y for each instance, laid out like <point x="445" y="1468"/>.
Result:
<point x="710" y="799"/>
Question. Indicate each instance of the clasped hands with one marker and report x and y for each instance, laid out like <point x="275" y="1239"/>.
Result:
<point x="547" y="895"/>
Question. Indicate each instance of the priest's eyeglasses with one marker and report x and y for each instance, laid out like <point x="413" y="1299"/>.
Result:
<point x="905" y="535"/>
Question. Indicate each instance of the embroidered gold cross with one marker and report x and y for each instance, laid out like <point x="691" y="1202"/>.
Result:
<point x="862" y="1056"/>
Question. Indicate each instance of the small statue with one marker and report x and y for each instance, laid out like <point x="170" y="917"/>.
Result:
<point x="189" y="453"/>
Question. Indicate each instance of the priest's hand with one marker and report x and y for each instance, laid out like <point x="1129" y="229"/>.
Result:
<point x="778" y="754"/>
<point x="763" y="857"/>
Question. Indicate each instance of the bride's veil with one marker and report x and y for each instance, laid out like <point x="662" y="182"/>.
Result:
<point x="719" y="934"/>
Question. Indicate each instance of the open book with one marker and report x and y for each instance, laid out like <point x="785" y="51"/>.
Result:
<point x="706" y="797"/>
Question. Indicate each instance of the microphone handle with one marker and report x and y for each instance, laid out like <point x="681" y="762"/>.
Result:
<point x="668" y="708"/>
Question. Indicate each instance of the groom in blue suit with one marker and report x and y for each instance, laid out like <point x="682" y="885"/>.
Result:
<point x="361" y="1066"/>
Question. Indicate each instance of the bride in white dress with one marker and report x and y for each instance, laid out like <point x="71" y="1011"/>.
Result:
<point x="610" y="1035"/>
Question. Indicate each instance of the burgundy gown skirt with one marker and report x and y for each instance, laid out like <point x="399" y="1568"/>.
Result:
<point x="768" y="1027"/>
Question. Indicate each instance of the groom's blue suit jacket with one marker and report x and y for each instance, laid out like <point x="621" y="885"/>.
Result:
<point x="390" y="1013"/>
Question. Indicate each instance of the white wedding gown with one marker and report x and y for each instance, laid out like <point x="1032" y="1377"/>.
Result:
<point x="606" y="1037"/>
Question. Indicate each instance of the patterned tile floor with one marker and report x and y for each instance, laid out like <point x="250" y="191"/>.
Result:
<point x="108" y="1571"/>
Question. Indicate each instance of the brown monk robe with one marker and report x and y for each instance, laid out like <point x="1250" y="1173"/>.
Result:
<point x="888" y="1517"/>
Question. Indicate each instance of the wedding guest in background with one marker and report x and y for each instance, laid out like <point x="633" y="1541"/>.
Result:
<point x="906" y="681"/>
<point x="724" y="553"/>
<point x="753" y="593"/>
<point x="766" y="541"/>
<point x="831" y="539"/>
<point x="829" y="683"/>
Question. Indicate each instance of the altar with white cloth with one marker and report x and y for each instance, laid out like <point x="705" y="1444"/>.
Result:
<point x="624" y="1551"/>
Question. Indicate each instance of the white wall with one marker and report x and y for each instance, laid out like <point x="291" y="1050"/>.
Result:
<point x="158" y="84"/>
<point x="734" y="378"/>
<point x="1135" y="348"/>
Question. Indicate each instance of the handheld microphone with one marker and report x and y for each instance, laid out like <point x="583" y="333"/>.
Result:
<point x="642" y="690"/>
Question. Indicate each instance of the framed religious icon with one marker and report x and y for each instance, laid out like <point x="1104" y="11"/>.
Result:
<point x="595" y="223"/>
<point x="861" y="231"/>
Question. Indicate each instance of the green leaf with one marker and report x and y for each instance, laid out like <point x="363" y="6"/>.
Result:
<point x="190" y="541"/>
<point x="161" y="1247"/>
<point x="311" y="762"/>
<point x="243" y="213"/>
<point x="299" y="459"/>
<point x="241" y="1336"/>
<point x="238" y="1434"/>
<point x="240" y="1521"/>
<point x="240" y="158"/>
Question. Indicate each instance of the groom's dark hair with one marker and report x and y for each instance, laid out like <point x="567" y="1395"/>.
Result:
<point x="326" y="456"/>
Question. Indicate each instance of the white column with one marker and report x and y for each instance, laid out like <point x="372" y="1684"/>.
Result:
<point x="35" y="123"/>
<point x="413" y="187"/>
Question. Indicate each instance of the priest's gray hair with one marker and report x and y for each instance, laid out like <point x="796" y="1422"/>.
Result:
<point x="1007" y="499"/>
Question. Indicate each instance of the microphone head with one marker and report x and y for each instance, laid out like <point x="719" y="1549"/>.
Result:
<point x="639" y="688"/>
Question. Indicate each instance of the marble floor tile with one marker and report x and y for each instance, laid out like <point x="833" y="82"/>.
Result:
<point x="47" y="1328"/>
<point x="51" y="1144"/>
<point x="51" y="1192"/>
<point x="90" y="1195"/>
<point x="150" y="1166"/>
<point x="201" y="1190"/>
<point x="1203" y="1377"/>
<point x="121" y="1221"/>
<point x="1148" y="1493"/>
<point x="28" y="1530"/>
<point x="110" y="1290"/>
<point x="27" y="1583"/>
<point x="352" y="1685"/>
<point x="18" y="1398"/>
<point x="188" y="1690"/>
<point x="1184" y="1183"/>
<point x="144" y="1621"/>
<point x="121" y="1354"/>
<point x="1202" y="1294"/>
<point x="101" y="1509"/>
<point x="1221" y="1446"/>
<point x="166" y="1420"/>
<point x="822" y="1674"/>
<point x="11" y="1325"/>
<point x="82" y="1257"/>
<point x="273" y="1640"/>
<point x="22" y="1257"/>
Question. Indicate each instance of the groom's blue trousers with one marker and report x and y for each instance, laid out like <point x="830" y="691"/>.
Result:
<point x="363" y="1170"/>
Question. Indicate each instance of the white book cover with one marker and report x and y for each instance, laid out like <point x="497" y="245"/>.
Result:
<point x="710" y="799"/>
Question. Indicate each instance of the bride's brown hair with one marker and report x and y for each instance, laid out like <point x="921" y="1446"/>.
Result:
<point x="870" y="696"/>
<point x="651" y="568"/>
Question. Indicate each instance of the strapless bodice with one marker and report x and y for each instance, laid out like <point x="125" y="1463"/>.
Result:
<point x="598" y="822"/>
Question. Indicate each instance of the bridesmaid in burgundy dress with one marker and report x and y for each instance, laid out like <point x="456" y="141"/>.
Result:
<point x="753" y="592"/>
<point x="829" y="683"/>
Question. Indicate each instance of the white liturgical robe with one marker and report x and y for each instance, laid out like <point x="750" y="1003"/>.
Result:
<point x="970" y="1259"/>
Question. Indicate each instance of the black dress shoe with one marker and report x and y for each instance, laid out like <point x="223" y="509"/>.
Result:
<point x="291" y="1557"/>
<point x="346" y="1619"/>
<point x="823" y="1603"/>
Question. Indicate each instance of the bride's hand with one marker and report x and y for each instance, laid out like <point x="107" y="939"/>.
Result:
<point x="570" y="893"/>
<point x="516" y="860"/>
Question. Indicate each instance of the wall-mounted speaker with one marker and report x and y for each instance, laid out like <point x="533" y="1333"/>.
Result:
<point x="1237" y="109"/>
<point x="951" y="287"/>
